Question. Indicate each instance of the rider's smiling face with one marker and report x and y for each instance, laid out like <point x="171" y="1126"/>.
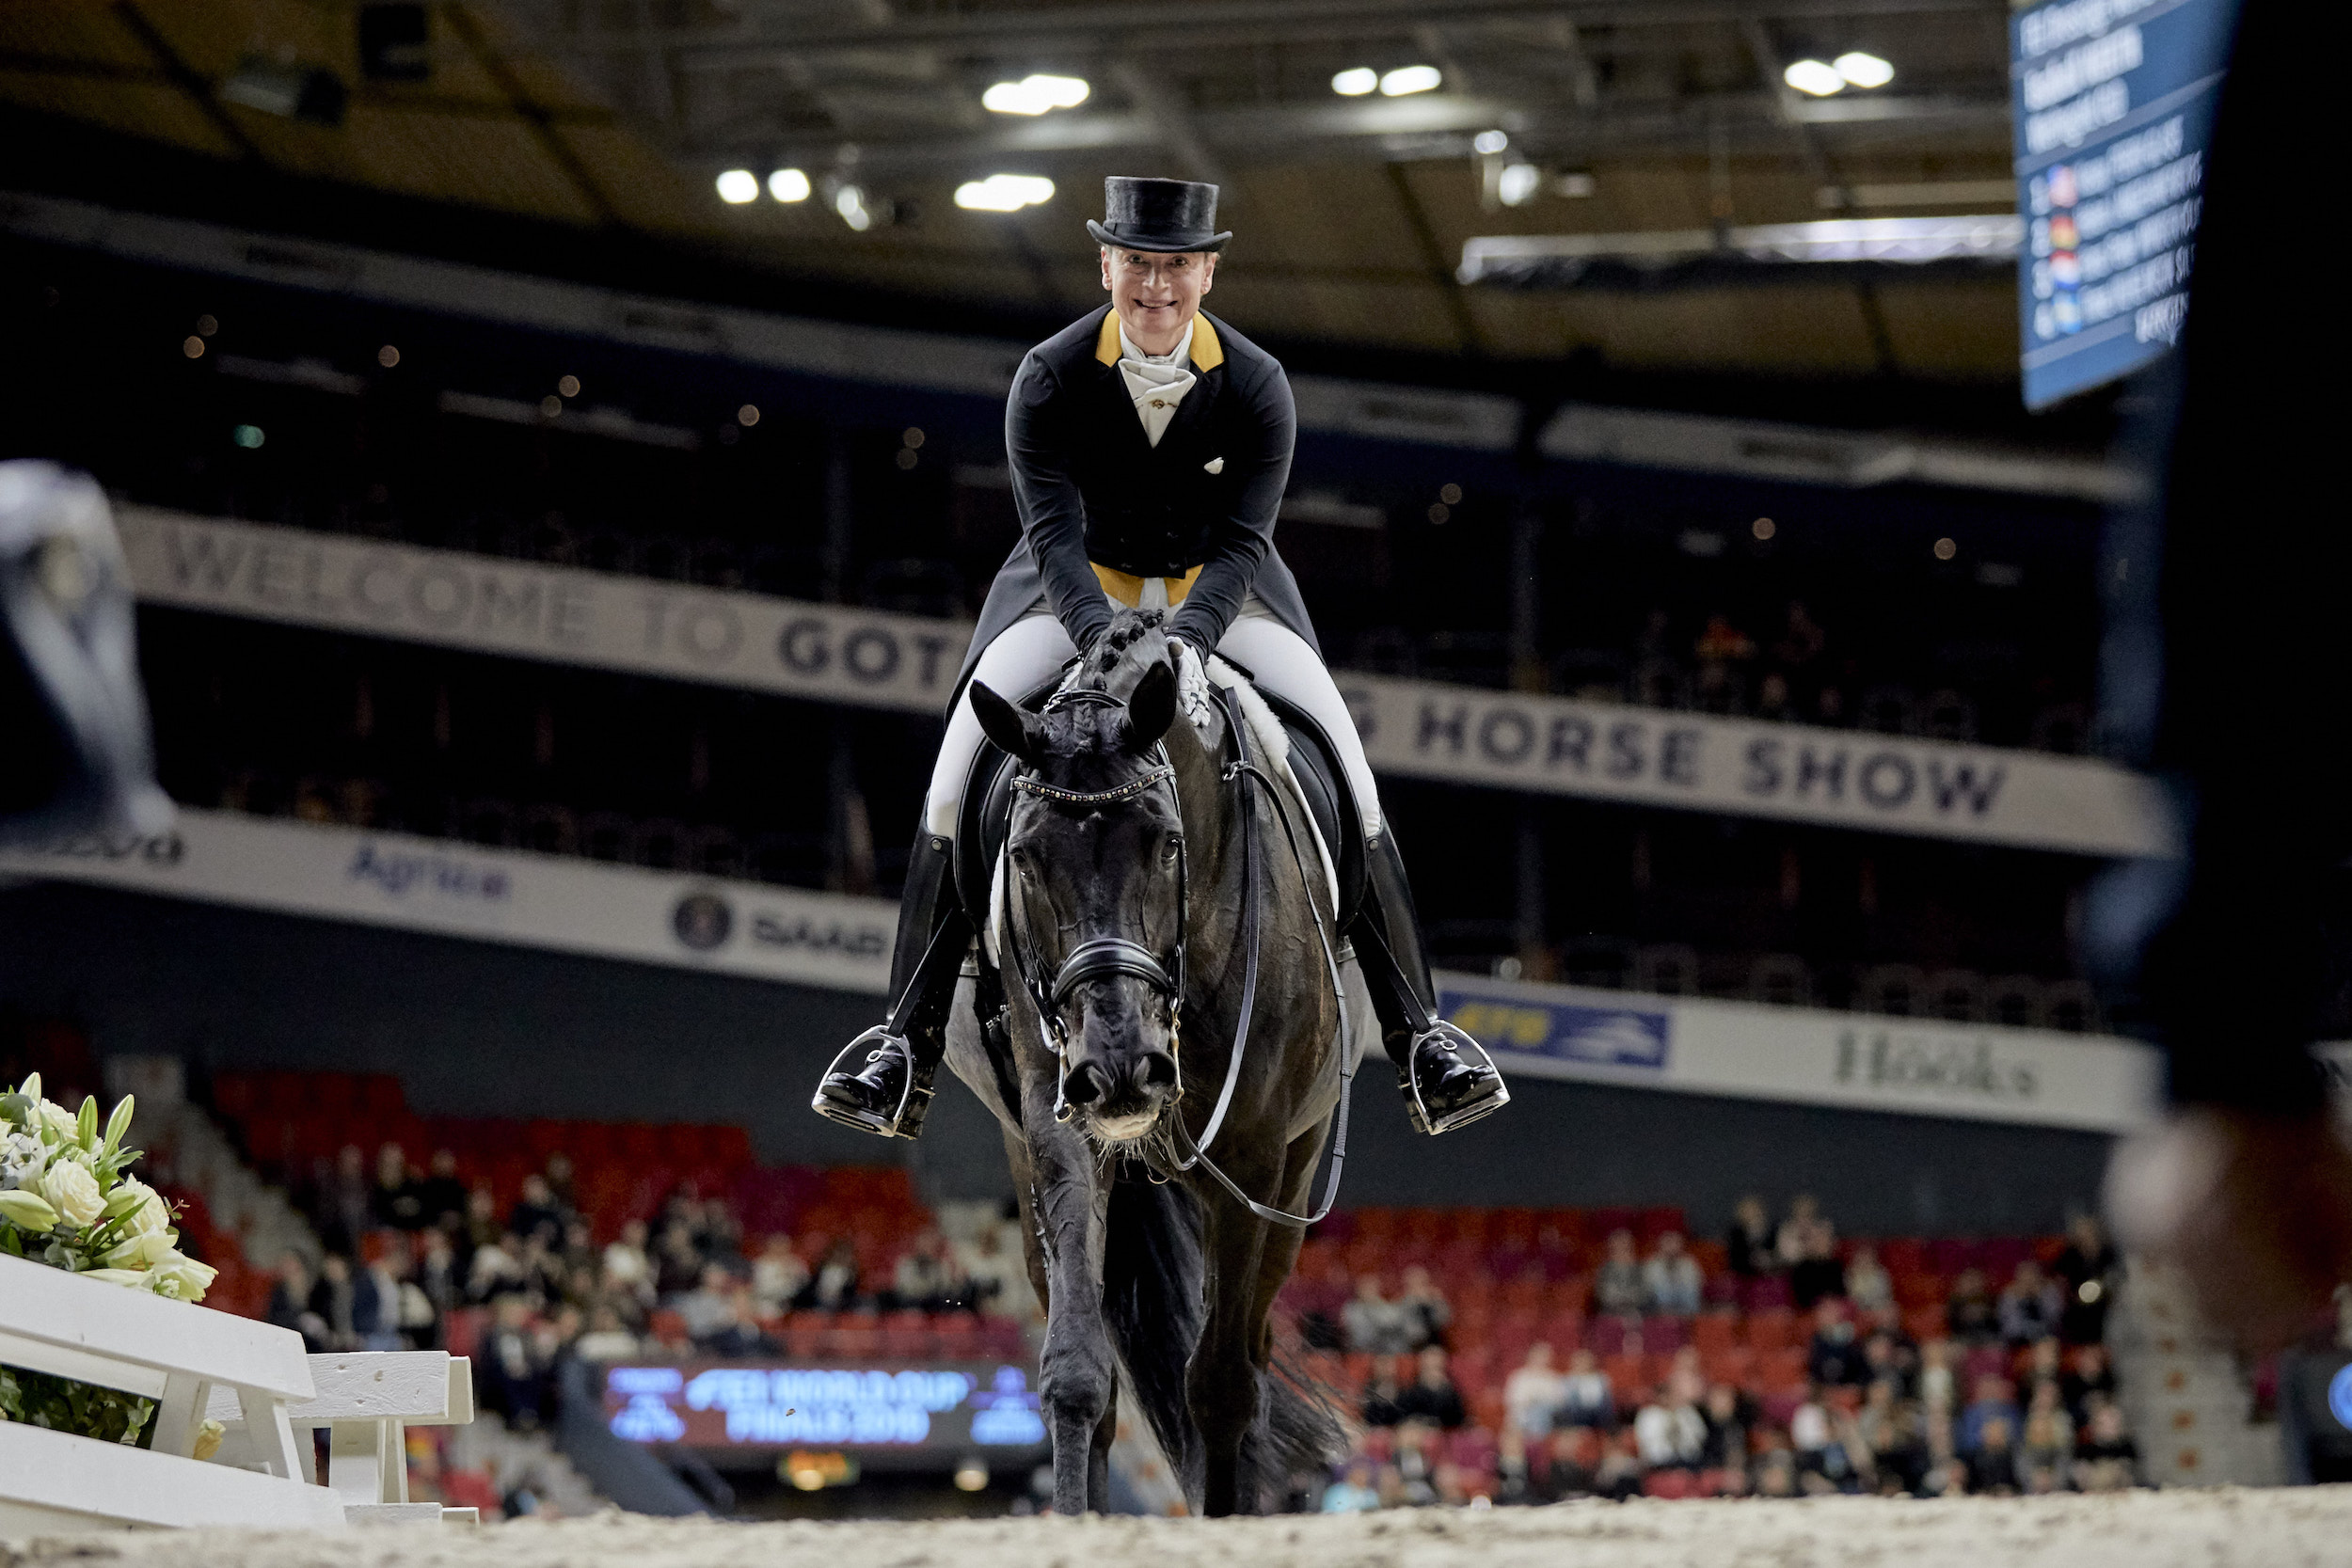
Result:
<point x="1156" y="294"/>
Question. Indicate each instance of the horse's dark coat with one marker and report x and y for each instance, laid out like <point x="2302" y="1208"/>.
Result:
<point x="1175" y="1281"/>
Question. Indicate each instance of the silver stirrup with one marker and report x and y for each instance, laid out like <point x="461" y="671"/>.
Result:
<point x="905" y="1120"/>
<point x="1417" y="1109"/>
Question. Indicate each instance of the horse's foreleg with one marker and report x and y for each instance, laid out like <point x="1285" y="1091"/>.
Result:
<point x="1221" y="1384"/>
<point x="1077" y="1378"/>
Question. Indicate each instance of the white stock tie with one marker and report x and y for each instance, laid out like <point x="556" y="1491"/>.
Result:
<point x="1156" y="382"/>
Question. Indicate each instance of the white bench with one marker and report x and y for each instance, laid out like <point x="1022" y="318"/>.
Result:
<point x="197" y="1363"/>
<point x="367" y="1401"/>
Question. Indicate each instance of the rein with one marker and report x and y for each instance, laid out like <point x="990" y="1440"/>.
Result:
<point x="1101" y="957"/>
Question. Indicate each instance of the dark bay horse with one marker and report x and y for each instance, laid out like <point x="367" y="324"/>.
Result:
<point x="1139" y="882"/>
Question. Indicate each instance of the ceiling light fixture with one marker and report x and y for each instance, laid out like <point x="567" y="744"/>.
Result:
<point x="738" y="186"/>
<point x="1489" y="142"/>
<point x="788" y="184"/>
<point x="1863" y="71"/>
<point x="1818" y="77"/>
<point x="850" y="202"/>
<point x="1356" y="82"/>
<point x="1004" y="193"/>
<point x="1517" y="184"/>
<point x="1407" y="79"/>
<point x="1035" y="95"/>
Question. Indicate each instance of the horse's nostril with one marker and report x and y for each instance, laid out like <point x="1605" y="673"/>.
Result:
<point x="1157" y="1070"/>
<point x="1086" y="1084"/>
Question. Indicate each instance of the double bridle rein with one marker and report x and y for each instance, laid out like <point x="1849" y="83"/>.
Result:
<point x="1099" y="957"/>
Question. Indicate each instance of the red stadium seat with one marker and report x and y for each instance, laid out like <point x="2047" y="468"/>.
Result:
<point x="1775" y="1329"/>
<point x="1673" y="1484"/>
<point x="1923" y="1323"/>
<point x="1781" y="1370"/>
<point x="1714" y="1333"/>
<point x="1768" y="1294"/>
<point x="1733" y="1363"/>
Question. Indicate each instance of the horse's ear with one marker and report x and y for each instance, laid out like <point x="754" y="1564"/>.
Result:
<point x="1152" y="707"/>
<point x="1012" y="730"/>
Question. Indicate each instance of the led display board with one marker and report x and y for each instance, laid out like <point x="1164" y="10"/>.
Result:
<point x="2112" y="102"/>
<point x="918" y="1413"/>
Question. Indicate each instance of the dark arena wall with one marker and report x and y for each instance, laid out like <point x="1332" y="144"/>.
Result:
<point x="476" y="1029"/>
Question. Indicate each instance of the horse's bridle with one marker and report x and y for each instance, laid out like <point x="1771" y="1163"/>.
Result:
<point x="1098" y="956"/>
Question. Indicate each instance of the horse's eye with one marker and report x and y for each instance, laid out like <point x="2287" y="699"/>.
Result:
<point x="1173" y="848"/>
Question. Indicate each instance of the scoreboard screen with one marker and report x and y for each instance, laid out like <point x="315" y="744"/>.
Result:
<point x="944" y="1409"/>
<point x="2113" y="106"/>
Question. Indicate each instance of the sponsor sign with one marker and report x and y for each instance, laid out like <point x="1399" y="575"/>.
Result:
<point x="2113" y="103"/>
<point x="510" y="895"/>
<point x="1418" y="729"/>
<point x="1749" y="768"/>
<point x="941" y="1409"/>
<point x="824" y="653"/>
<point x="1858" y="1061"/>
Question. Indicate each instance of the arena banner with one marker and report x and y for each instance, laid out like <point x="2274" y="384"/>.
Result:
<point x="1756" y="767"/>
<point x="565" y="614"/>
<point x="1853" y="1061"/>
<point x="507" y="895"/>
<point x="1416" y="729"/>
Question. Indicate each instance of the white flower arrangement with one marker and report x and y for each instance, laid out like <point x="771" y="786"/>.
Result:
<point x="66" y="1199"/>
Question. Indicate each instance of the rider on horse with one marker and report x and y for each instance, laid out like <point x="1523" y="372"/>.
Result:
<point x="1149" y="445"/>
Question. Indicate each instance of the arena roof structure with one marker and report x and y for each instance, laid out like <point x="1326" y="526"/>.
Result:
<point x="1361" y="144"/>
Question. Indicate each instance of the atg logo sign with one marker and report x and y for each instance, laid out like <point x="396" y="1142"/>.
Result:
<point x="1633" y="1037"/>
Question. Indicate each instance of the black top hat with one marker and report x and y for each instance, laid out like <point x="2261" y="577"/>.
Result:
<point x="1158" y="214"/>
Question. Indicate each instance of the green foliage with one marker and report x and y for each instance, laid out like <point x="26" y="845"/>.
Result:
<point x="83" y="1409"/>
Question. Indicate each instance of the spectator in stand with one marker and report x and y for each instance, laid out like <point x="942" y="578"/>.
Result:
<point x="1793" y="1242"/>
<point x="1375" y="1324"/>
<point x="1425" y="1305"/>
<point x="290" y="1303"/>
<point x="2105" y="1460"/>
<point x="510" y="1366"/>
<point x="738" y="1331"/>
<point x="1970" y="1313"/>
<point x="1416" y="1463"/>
<point x="627" y="1273"/>
<point x="560" y="1183"/>
<point x="437" y="1278"/>
<point x="778" y="1276"/>
<point x="2085" y="1272"/>
<point x="442" y="1195"/>
<point x="375" y="1295"/>
<point x="1889" y="1433"/>
<point x="1383" y="1395"/>
<point x="496" y="1270"/>
<point x="332" y="1300"/>
<point x="1995" y="1401"/>
<point x="1836" y="1356"/>
<point x="1730" y="1415"/>
<point x="1585" y="1398"/>
<point x="1883" y="1361"/>
<point x="1565" y="1467"/>
<point x="1776" y="1468"/>
<point x="1514" y="1467"/>
<point x="707" y="1309"/>
<point x="1000" y="1278"/>
<point x="1533" y="1392"/>
<point x="541" y="1269"/>
<point x="1617" y="1283"/>
<point x="607" y="1339"/>
<point x="927" y="1275"/>
<point x="1669" y="1430"/>
<point x="1817" y="1275"/>
<point x="1939" y="1388"/>
<point x="481" y="1224"/>
<point x="1353" y="1493"/>
<point x="2093" y="1378"/>
<point x="2046" y="1447"/>
<point x="678" y="1264"/>
<point x="2029" y="1308"/>
<point x="835" y="1288"/>
<point x="1748" y="1244"/>
<point x="1432" y="1396"/>
<point x="1867" y="1284"/>
<point x="1671" y="1280"/>
<point x="1993" y="1467"/>
<point x="398" y="1200"/>
<point x="343" y="1206"/>
<point x="537" y="1213"/>
<point x="2045" y="1364"/>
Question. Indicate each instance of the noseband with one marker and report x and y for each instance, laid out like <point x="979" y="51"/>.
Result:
<point x="1104" y="957"/>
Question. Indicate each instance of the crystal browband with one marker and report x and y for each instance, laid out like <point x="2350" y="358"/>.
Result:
<point x="1127" y="791"/>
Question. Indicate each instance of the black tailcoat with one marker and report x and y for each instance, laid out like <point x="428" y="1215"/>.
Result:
<point x="1092" y="490"/>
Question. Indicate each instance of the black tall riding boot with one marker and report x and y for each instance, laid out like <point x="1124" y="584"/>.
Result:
<point x="1447" y="1078"/>
<point x="888" y="1093"/>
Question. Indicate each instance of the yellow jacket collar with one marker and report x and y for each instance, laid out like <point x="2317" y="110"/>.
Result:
<point x="1207" y="353"/>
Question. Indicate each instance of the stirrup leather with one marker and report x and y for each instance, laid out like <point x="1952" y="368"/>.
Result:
<point x="848" y="1097"/>
<point x="1483" y="1102"/>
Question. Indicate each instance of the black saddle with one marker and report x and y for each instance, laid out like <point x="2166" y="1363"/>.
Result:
<point x="987" y="814"/>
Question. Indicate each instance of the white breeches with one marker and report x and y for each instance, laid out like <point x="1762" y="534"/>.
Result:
<point x="1028" y="652"/>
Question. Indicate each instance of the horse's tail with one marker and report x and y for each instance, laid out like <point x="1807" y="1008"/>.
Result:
<point x="1297" y="1433"/>
<point x="1152" y="1278"/>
